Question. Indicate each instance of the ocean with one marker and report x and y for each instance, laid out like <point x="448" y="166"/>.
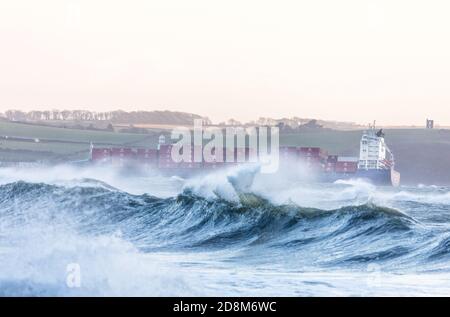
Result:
<point x="102" y="231"/>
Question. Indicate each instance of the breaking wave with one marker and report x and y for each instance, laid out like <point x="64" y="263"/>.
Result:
<point x="121" y="238"/>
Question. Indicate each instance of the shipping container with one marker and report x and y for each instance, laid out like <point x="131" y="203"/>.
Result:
<point x="165" y="156"/>
<point x="101" y="155"/>
<point x="346" y="167"/>
<point x="312" y="160"/>
<point x="147" y="157"/>
<point x="330" y="167"/>
<point x="122" y="152"/>
<point x="165" y="148"/>
<point x="332" y="158"/>
<point x="288" y="153"/>
<point x="347" y="159"/>
<point x="312" y="152"/>
<point x="146" y="153"/>
<point x="315" y="165"/>
<point x="121" y="155"/>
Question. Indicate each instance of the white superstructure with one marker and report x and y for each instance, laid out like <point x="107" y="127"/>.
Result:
<point x="374" y="153"/>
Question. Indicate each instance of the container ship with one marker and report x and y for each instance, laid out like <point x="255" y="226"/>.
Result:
<point x="375" y="163"/>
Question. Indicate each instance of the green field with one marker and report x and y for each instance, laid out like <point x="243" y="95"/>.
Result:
<point x="335" y="142"/>
<point x="35" y="131"/>
<point x="421" y="155"/>
<point x="59" y="144"/>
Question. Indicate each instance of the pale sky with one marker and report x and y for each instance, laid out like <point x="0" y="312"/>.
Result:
<point x="358" y="60"/>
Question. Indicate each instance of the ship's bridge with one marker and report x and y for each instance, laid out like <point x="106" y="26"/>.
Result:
<point x="373" y="153"/>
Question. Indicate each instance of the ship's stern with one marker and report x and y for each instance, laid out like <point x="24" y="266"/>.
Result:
<point x="395" y="178"/>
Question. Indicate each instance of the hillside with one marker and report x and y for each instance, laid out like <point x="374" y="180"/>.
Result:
<point x="25" y="142"/>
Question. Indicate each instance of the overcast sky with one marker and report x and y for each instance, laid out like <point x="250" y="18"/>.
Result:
<point x="345" y="60"/>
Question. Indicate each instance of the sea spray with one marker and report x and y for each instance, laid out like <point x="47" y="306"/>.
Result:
<point x="214" y="235"/>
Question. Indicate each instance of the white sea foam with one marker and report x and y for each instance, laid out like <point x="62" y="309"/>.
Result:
<point x="224" y="184"/>
<point x="292" y="184"/>
<point x="35" y="257"/>
<point x="35" y="250"/>
<point x="145" y="182"/>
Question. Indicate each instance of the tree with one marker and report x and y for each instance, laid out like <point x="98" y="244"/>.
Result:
<point x="66" y="114"/>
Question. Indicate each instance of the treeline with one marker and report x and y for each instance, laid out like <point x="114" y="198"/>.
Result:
<point x="291" y="125"/>
<point x="163" y="117"/>
<point x="118" y="116"/>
